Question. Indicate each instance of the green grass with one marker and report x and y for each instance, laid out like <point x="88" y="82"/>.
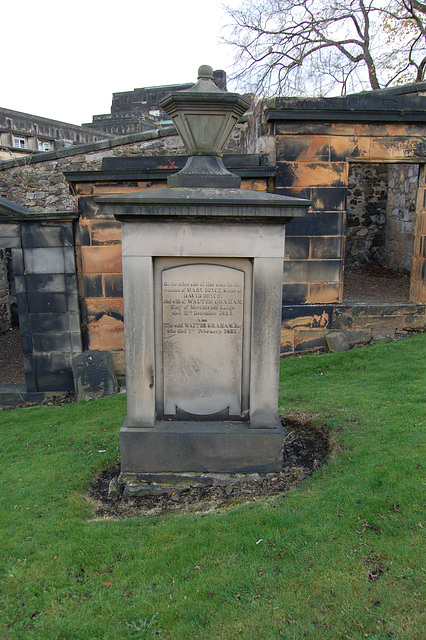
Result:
<point x="68" y="576"/>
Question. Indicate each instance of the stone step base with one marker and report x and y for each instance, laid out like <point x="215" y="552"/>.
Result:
<point x="13" y="395"/>
<point x="206" y="447"/>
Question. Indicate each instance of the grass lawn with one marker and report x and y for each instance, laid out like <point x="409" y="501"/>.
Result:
<point x="338" y="557"/>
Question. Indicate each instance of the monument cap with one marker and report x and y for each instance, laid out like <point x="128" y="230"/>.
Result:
<point x="205" y="71"/>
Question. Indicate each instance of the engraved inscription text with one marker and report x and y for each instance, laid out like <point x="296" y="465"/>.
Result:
<point x="202" y="338"/>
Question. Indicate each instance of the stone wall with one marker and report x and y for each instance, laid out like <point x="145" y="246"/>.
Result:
<point x="46" y="291"/>
<point x="381" y="214"/>
<point x="38" y="182"/>
<point x="305" y="327"/>
<point x="401" y="216"/>
<point x="4" y="292"/>
<point x="366" y="214"/>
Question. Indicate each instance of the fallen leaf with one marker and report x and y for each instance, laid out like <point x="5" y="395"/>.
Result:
<point x="107" y="584"/>
<point x="375" y="574"/>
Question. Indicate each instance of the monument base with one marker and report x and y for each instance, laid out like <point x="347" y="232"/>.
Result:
<point x="215" y="447"/>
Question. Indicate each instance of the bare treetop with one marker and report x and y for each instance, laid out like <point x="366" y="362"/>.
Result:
<point x="315" y="47"/>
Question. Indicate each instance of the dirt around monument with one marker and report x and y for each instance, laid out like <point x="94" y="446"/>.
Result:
<point x="305" y="448"/>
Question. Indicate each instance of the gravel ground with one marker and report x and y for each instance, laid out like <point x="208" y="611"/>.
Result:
<point x="11" y="365"/>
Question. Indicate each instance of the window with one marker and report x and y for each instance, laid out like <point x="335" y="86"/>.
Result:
<point x="8" y="123"/>
<point x="20" y="143"/>
<point x="44" y="145"/>
<point x="35" y="128"/>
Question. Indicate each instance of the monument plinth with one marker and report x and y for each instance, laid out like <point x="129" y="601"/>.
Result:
<point x="202" y="278"/>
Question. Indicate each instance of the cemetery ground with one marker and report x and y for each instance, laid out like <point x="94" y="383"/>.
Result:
<point x="338" y="556"/>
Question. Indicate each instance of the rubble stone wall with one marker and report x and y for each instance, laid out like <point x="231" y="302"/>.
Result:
<point x="381" y="214"/>
<point x="366" y="214"/>
<point x="38" y="182"/>
<point x="401" y="216"/>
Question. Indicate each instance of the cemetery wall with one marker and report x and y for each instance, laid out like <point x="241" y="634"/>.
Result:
<point x="312" y="160"/>
<point x="316" y="142"/>
<point x="38" y="181"/>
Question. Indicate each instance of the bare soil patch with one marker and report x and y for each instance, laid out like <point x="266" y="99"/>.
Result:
<point x="305" y="448"/>
<point x="11" y="362"/>
<point x="372" y="283"/>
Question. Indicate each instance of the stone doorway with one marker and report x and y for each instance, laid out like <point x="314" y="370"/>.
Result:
<point x="381" y="216"/>
<point x="11" y="357"/>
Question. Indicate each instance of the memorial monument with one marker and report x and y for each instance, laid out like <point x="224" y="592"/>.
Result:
<point x="202" y="277"/>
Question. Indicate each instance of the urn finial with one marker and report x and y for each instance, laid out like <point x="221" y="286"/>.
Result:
<point x="204" y="116"/>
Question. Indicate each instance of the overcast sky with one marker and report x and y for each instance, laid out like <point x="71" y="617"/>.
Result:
<point x="64" y="60"/>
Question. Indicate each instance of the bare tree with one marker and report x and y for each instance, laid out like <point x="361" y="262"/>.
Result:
<point x="316" y="46"/>
<point x="405" y="28"/>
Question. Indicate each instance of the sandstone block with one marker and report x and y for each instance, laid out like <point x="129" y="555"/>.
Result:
<point x="337" y="341"/>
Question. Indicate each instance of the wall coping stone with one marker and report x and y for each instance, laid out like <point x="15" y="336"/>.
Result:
<point x="395" y="104"/>
<point x="155" y="168"/>
<point x="12" y="212"/>
<point x="46" y="156"/>
<point x="345" y="114"/>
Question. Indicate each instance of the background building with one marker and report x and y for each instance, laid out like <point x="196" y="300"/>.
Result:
<point x="139" y="110"/>
<point x="22" y="134"/>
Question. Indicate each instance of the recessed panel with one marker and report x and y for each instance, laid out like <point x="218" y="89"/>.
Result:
<point x="203" y="311"/>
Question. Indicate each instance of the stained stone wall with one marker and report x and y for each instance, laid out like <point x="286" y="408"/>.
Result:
<point x="4" y="293"/>
<point x="403" y="182"/>
<point x="46" y="291"/>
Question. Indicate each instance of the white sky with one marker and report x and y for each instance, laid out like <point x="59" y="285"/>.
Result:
<point x="64" y="59"/>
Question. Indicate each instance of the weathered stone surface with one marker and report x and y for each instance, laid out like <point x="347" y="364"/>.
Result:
<point x="380" y="339"/>
<point x="42" y="186"/>
<point x="94" y="375"/>
<point x="337" y="341"/>
<point x="5" y="315"/>
<point x="157" y="484"/>
<point x="381" y="214"/>
<point x="202" y="307"/>
<point x="218" y="447"/>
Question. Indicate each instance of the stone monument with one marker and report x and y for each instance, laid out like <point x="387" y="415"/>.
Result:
<point x="202" y="277"/>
